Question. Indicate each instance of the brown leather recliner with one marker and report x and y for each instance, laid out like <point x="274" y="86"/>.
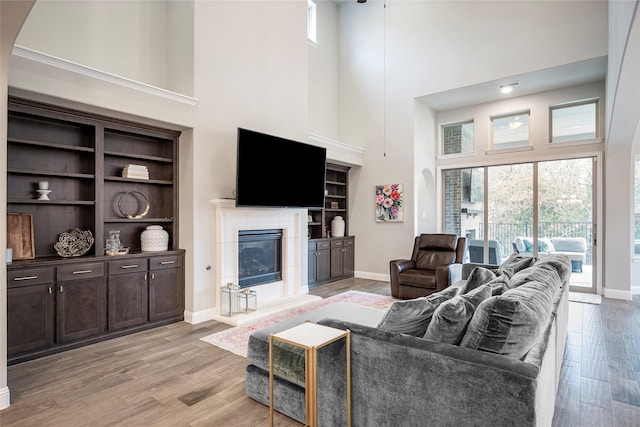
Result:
<point x="435" y="264"/>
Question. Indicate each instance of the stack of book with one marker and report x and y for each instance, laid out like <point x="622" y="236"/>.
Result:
<point x="135" y="171"/>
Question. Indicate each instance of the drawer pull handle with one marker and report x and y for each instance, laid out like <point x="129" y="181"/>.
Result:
<point x="17" y="279"/>
<point x="124" y="267"/>
<point x="167" y="262"/>
<point x="82" y="271"/>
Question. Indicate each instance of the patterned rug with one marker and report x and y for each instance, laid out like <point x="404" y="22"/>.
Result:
<point x="235" y="339"/>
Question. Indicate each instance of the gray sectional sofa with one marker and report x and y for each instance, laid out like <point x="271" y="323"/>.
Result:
<point x="573" y="247"/>
<point x="486" y="351"/>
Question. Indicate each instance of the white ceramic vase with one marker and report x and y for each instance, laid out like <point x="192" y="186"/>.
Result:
<point x="337" y="226"/>
<point x="154" y="238"/>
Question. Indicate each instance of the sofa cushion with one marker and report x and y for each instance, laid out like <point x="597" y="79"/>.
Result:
<point x="450" y="319"/>
<point x="570" y="244"/>
<point x="511" y="323"/>
<point x="419" y="278"/>
<point x="500" y="285"/>
<point x="412" y="316"/>
<point x="478" y="277"/>
<point x="515" y="263"/>
<point x="557" y="264"/>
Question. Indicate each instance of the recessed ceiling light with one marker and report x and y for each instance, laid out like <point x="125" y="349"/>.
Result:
<point x="508" y="87"/>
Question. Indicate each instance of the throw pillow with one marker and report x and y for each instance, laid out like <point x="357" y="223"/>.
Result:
<point x="516" y="262"/>
<point x="499" y="285"/>
<point x="478" y="277"/>
<point x="545" y="245"/>
<point x="451" y="318"/>
<point x="411" y="317"/>
<point x="511" y="323"/>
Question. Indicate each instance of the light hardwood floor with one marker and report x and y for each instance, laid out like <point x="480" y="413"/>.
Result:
<point x="168" y="377"/>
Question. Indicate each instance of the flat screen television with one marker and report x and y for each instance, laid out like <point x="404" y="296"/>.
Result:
<point x="277" y="172"/>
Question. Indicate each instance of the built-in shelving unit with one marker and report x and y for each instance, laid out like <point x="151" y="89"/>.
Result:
<point x="331" y="258"/>
<point x="56" y="303"/>
<point x="335" y="203"/>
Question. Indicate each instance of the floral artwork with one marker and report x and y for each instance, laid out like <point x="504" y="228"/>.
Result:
<point x="389" y="201"/>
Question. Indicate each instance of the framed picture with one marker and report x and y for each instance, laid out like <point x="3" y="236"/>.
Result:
<point x="389" y="203"/>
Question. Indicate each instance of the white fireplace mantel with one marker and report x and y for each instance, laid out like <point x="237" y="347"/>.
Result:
<point x="293" y="289"/>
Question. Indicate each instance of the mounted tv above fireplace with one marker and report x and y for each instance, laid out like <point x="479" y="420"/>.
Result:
<point x="278" y="172"/>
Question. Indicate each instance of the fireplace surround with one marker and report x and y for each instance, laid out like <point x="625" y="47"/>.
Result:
<point x="292" y="289"/>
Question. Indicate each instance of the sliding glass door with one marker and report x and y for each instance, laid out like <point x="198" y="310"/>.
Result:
<point x="535" y="208"/>
<point x="565" y="215"/>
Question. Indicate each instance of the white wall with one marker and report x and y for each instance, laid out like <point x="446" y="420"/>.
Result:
<point x="623" y="134"/>
<point x="431" y="47"/>
<point x="323" y="73"/>
<point x="12" y="16"/>
<point x="146" y="41"/>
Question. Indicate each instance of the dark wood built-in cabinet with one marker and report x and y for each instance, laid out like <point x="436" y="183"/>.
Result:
<point x="331" y="258"/>
<point x="55" y="303"/>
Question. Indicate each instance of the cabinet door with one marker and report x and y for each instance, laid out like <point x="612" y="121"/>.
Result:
<point x="336" y="259"/>
<point x="311" y="265"/>
<point x="348" y="260"/>
<point x="128" y="300"/>
<point x="166" y="294"/>
<point x="323" y="265"/>
<point x="29" y="318"/>
<point x="80" y="308"/>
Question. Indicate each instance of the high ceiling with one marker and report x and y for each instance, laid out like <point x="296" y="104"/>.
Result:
<point x="537" y="81"/>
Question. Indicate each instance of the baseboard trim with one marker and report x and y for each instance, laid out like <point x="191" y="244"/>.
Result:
<point x="616" y="294"/>
<point x="372" y="276"/>
<point x="5" y="400"/>
<point x="635" y="290"/>
<point x="199" y="316"/>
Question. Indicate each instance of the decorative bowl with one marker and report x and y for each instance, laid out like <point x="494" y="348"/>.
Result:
<point x="74" y="243"/>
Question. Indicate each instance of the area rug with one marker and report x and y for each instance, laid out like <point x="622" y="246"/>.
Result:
<point x="235" y="339"/>
<point x="585" y="298"/>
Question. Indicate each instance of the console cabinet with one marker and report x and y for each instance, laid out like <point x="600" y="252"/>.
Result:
<point x="330" y="260"/>
<point x="56" y="303"/>
<point x="67" y="304"/>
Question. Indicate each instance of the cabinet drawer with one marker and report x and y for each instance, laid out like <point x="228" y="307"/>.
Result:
<point x="125" y="266"/>
<point x="80" y="271"/>
<point x="348" y="242"/>
<point x="162" y="262"/>
<point x="323" y="244"/>
<point x="336" y="243"/>
<point x="30" y="276"/>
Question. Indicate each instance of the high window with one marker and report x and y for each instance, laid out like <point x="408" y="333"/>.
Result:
<point x="311" y="22"/>
<point x="457" y="138"/>
<point x="574" y="122"/>
<point x="510" y="130"/>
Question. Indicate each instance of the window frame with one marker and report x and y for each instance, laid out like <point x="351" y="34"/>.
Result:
<point x="457" y="123"/>
<point x="493" y="147"/>
<point x="595" y="101"/>
<point x="312" y="18"/>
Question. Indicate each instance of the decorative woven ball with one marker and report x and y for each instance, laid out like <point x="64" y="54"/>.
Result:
<point x="154" y="238"/>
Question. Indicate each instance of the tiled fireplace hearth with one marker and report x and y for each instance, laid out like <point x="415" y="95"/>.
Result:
<point x="271" y="297"/>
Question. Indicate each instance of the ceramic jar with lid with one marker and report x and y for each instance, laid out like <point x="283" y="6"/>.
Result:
<point x="337" y="226"/>
<point x="154" y="238"/>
